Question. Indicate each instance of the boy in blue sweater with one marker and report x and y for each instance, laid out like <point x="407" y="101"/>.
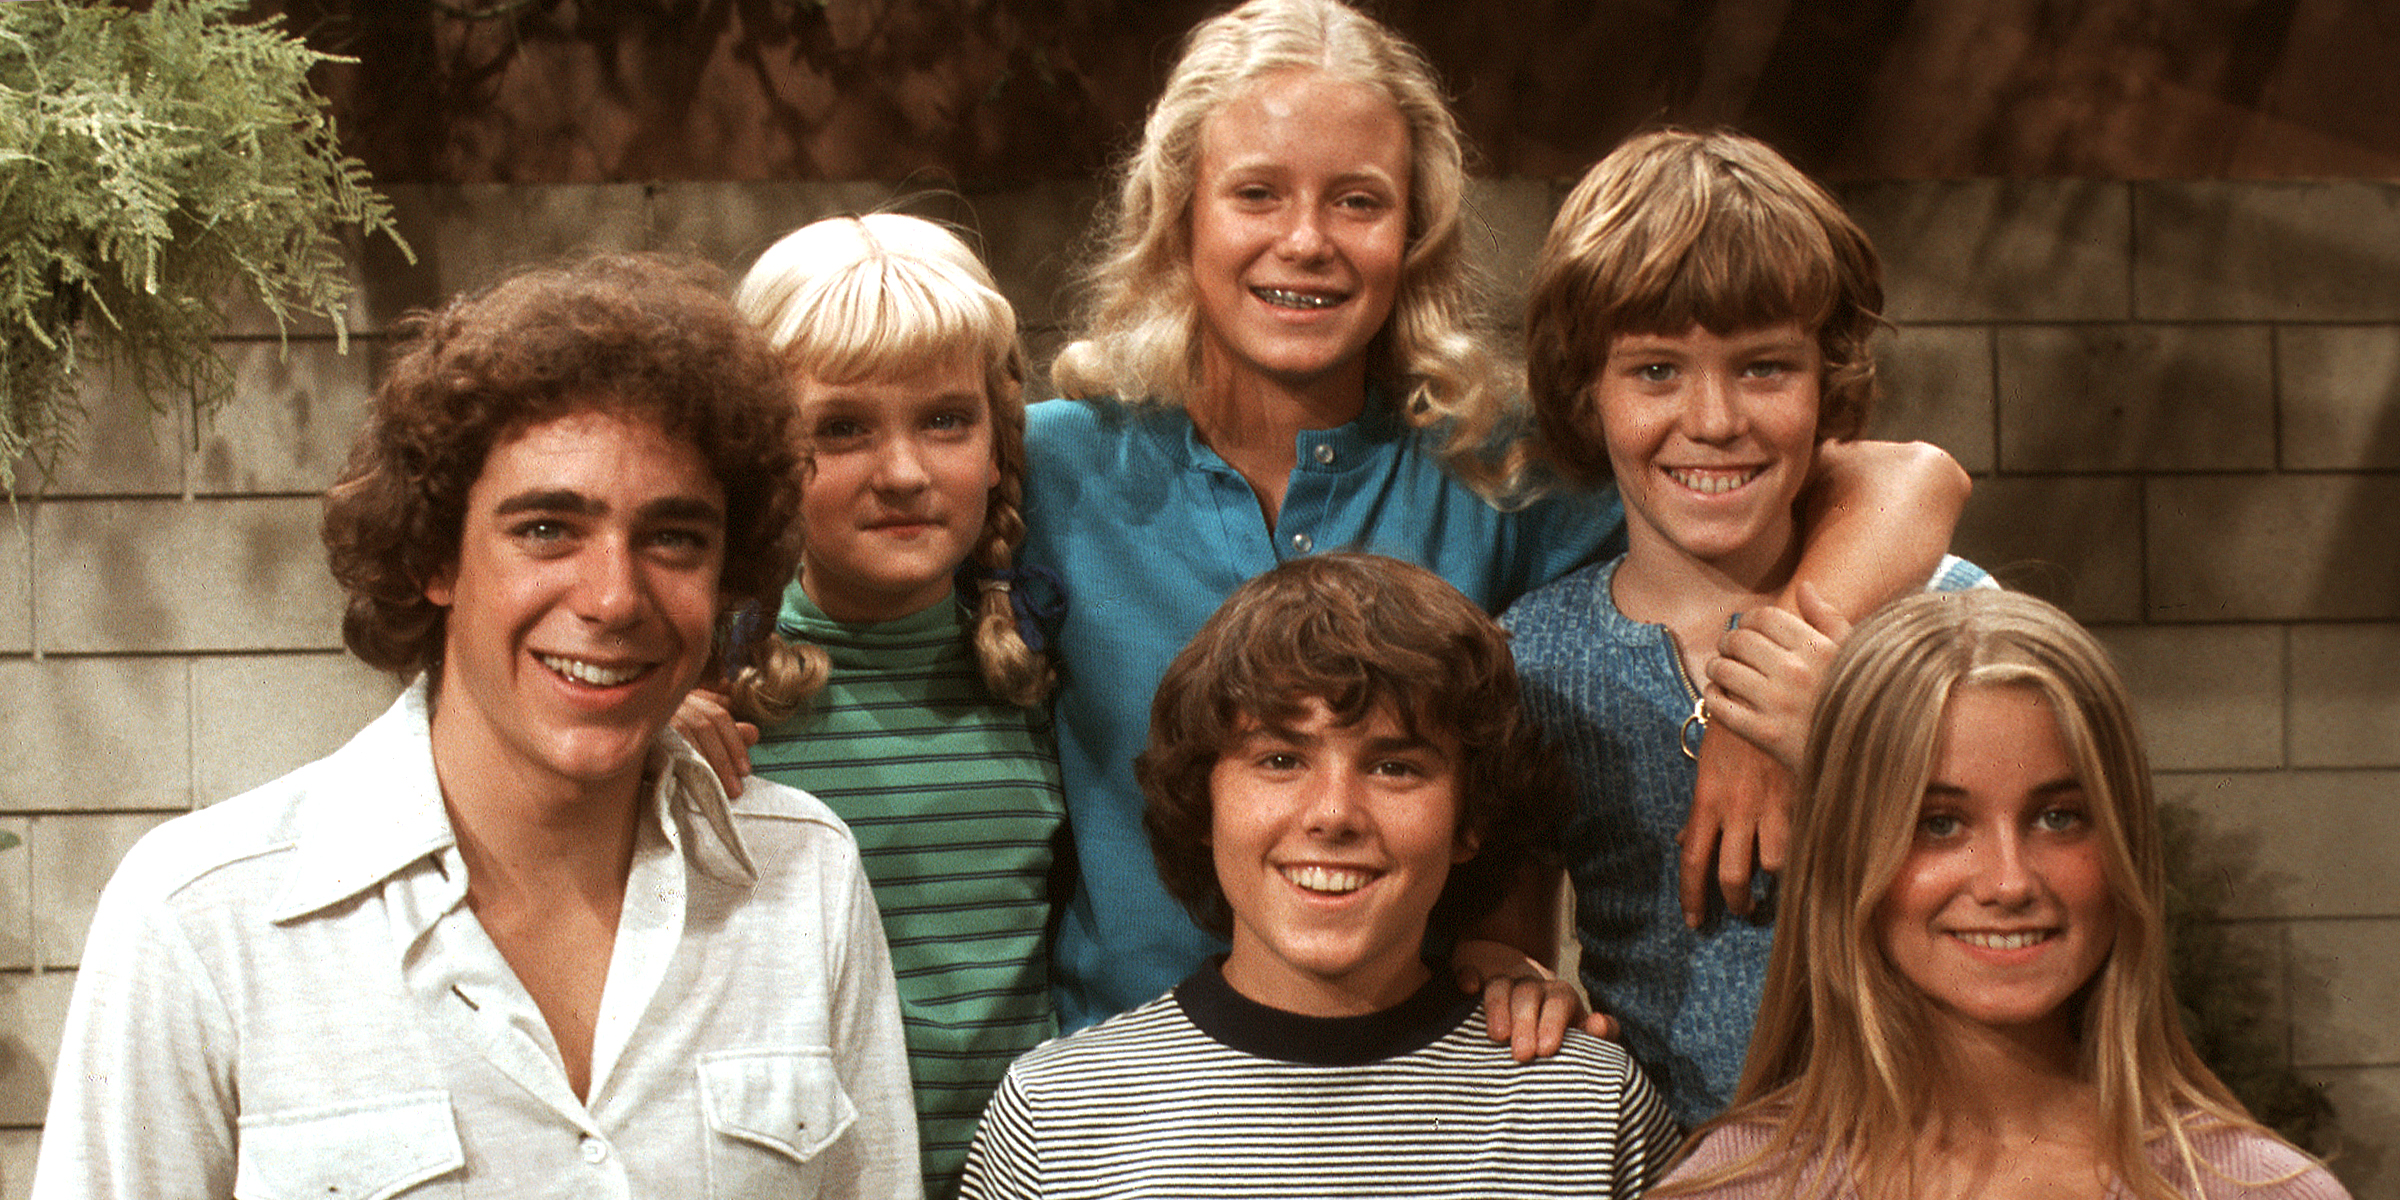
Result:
<point x="1698" y="328"/>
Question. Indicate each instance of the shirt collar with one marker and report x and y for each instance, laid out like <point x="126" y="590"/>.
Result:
<point x="374" y="809"/>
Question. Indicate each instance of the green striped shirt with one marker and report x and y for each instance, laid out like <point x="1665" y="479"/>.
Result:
<point x="954" y="798"/>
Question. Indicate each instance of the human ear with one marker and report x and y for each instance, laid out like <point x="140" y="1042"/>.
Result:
<point x="442" y="589"/>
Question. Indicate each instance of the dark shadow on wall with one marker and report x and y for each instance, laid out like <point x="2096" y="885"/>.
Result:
<point x="2232" y="990"/>
<point x="1015" y="90"/>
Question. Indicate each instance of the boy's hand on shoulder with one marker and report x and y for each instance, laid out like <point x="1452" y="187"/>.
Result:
<point x="704" y="720"/>
<point x="1765" y="677"/>
<point x="1741" y="813"/>
<point x="1526" y="1006"/>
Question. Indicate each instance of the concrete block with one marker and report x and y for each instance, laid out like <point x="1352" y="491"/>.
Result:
<point x="16" y="898"/>
<point x="256" y="717"/>
<point x="167" y="576"/>
<point x="2340" y="388"/>
<point x="2266" y="251"/>
<point x="470" y="235"/>
<point x="1937" y="387"/>
<point x="728" y="222"/>
<point x="33" y="1016"/>
<point x="2136" y="398"/>
<point x="1999" y="249"/>
<point x="16" y="578"/>
<point x="2346" y="986"/>
<point x="73" y="856"/>
<point x="2345" y="709"/>
<point x="2210" y="696"/>
<point x="127" y="444"/>
<point x="95" y="733"/>
<point x="2366" y="1107"/>
<point x="2074" y="541"/>
<point x="2274" y="547"/>
<point x="1506" y="222"/>
<point x="17" y="1150"/>
<point x="2299" y="844"/>
<point x="1031" y="237"/>
<point x="290" y="424"/>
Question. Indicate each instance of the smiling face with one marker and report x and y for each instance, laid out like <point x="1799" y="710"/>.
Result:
<point x="2002" y="910"/>
<point x="1332" y="844"/>
<point x="1299" y="221"/>
<point x="904" y="471"/>
<point x="581" y="605"/>
<point x="1711" y="439"/>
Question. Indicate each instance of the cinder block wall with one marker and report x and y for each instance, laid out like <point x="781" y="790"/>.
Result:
<point x="2181" y="403"/>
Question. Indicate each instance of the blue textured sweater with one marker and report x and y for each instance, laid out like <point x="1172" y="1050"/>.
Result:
<point x="1611" y="692"/>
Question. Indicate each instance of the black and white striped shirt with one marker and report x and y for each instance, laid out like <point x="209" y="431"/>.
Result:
<point x="1205" y="1093"/>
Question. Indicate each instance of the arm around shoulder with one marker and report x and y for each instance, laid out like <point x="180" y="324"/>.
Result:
<point x="1879" y="518"/>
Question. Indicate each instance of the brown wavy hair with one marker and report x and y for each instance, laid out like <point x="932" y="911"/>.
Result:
<point x="1365" y="634"/>
<point x="1675" y="229"/>
<point x="646" y="335"/>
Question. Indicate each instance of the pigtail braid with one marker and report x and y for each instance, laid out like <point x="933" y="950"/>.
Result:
<point x="1013" y="670"/>
<point x="779" y="679"/>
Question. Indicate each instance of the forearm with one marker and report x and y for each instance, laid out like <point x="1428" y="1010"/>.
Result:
<point x="1878" y="518"/>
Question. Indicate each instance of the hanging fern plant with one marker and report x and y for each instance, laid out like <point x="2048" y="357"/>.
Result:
<point x="153" y="166"/>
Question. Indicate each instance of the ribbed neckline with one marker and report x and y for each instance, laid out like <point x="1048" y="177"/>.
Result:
<point x="1256" y="1029"/>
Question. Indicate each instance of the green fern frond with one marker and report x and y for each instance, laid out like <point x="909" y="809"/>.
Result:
<point x="152" y="166"/>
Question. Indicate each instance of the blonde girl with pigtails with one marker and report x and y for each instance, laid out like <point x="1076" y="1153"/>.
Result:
<point x="901" y="681"/>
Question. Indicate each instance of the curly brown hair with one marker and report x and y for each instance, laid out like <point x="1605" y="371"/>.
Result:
<point x="642" y="334"/>
<point x="1364" y="634"/>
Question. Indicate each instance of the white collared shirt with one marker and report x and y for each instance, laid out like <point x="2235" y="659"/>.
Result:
<point x="285" y="995"/>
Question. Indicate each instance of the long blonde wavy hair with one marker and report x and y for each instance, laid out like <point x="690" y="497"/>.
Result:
<point x="855" y="298"/>
<point x="1140" y="339"/>
<point x="1842" y="1063"/>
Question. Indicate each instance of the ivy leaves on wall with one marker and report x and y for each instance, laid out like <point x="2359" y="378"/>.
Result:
<point x="155" y="166"/>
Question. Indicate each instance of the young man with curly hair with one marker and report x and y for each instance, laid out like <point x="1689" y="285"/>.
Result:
<point x="513" y="940"/>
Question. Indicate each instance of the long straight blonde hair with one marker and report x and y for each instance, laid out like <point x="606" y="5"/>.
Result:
<point x="1842" y="1064"/>
<point x="1140" y="331"/>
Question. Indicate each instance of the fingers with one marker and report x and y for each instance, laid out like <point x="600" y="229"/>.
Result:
<point x="1764" y="681"/>
<point x="724" y="742"/>
<point x="1733" y="867"/>
<point x="1543" y="1013"/>
<point x="1698" y="848"/>
<point x="1530" y="1015"/>
<point x="1600" y="1025"/>
<point x="1820" y="613"/>
<point x="1775" y="821"/>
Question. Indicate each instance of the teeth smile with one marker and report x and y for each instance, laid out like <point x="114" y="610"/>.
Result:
<point x="1713" y="482"/>
<point x="1278" y="296"/>
<point x="591" y="673"/>
<point x="2004" y="941"/>
<point x="1326" y="879"/>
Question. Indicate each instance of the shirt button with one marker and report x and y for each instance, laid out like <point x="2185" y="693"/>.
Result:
<point x="594" y="1150"/>
<point x="1302" y="543"/>
<point x="1325" y="453"/>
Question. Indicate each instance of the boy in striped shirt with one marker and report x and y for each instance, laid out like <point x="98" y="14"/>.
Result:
<point x="1339" y="775"/>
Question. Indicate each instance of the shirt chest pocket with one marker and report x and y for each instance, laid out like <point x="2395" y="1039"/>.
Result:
<point x="361" y="1150"/>
<point x="770" y="1113"/>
